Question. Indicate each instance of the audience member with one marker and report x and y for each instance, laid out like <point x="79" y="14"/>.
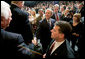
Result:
<point x="20" y="23"/>
<point x="77" y="33"/>
<point x="59" y="46"/>
<point x="40" y="17"/>
<point x="62" y="10"/>
<point x="43" y="32"/>
<point x="33" y="20"/>
<point x="56" y="14"/>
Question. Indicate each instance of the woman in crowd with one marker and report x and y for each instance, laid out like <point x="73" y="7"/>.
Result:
<point x="77" y="33"/>
<point x="32" y="19"/>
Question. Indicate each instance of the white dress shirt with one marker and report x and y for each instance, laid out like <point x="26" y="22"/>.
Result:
<point x="57" y="44"/>
<point x="49" y="21"/>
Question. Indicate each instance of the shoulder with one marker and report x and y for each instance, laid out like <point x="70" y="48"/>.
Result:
<point x="69" y="50"/>
<point x="21" y="12"/>
<point x="42" y="20"/>
<point x="17" y="10"/>
<point x="59" y="13"/>
<point x="11" y="36"/>
<point x="81" y="24"/>
<point x="53" y="20"/>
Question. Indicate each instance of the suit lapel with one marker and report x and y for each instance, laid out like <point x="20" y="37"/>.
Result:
<point x="50" y="45"/>
<point x="52" y="23"/>
<point x="60" y="50"/>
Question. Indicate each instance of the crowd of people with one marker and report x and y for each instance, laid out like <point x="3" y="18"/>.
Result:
<point x="46" y="30"/>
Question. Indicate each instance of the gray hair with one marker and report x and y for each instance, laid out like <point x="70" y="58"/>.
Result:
<point x="5" y="8"/>
<point x="56" y="5"/>
<point x="49" y="10"/>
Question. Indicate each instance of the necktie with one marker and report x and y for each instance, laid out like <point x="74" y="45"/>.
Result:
<point x="51" y="48"/>
<point x="49" y="22"/>
<point x="57" y="18"/>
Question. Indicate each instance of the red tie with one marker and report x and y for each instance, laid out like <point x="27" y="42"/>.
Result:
<point x="51" y="48"/>
<point x="57" y="18"/>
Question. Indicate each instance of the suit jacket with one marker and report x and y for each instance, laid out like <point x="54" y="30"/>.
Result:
<point x="63" y="51"/>
<point x="82" y="12"/>
<point x="54" y="16"/>
<point x="20" y="23"/>
<point x="9" y="43"/>
<point x="43" y="32"/>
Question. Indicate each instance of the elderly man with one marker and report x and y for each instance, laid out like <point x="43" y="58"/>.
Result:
<point x="56" y="14"/>
<point x="9" y="41"/>
<point x="12" y="44"/>
<point x="43" y="32"/>
<point x="59" y="46"/>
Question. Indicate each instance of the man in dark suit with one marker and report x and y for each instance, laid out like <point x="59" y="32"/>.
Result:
<point x="56" y="14"/>
<point x="59" y="46"/>
<point x="20" y="23"/>
<point x="43" y="32"/>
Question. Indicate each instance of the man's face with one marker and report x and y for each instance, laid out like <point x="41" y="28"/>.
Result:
<point x="48" y="14"/>
<point x="21" y="4"/>
<point x="9" y="18"/>
<point x="55" y="32"/>
<point x="5" y="23"/>
<point x="61" y="9"/>
<point x="66" y="12"/>
<point x="56" y="9"/>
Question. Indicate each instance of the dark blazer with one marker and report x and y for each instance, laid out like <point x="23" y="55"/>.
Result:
<point x="20" y="23"/>
<point x="82" y="12"/>
<point x="63" y="51"/>
<point x="9" y="45"/>
<point x="44" y="33"/>
<point x="54" y="17"/>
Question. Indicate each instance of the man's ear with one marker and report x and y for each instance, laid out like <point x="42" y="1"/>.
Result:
<point x="62" y="35"/>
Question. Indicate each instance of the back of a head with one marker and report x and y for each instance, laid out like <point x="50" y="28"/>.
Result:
<point x="5" y="8"/>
